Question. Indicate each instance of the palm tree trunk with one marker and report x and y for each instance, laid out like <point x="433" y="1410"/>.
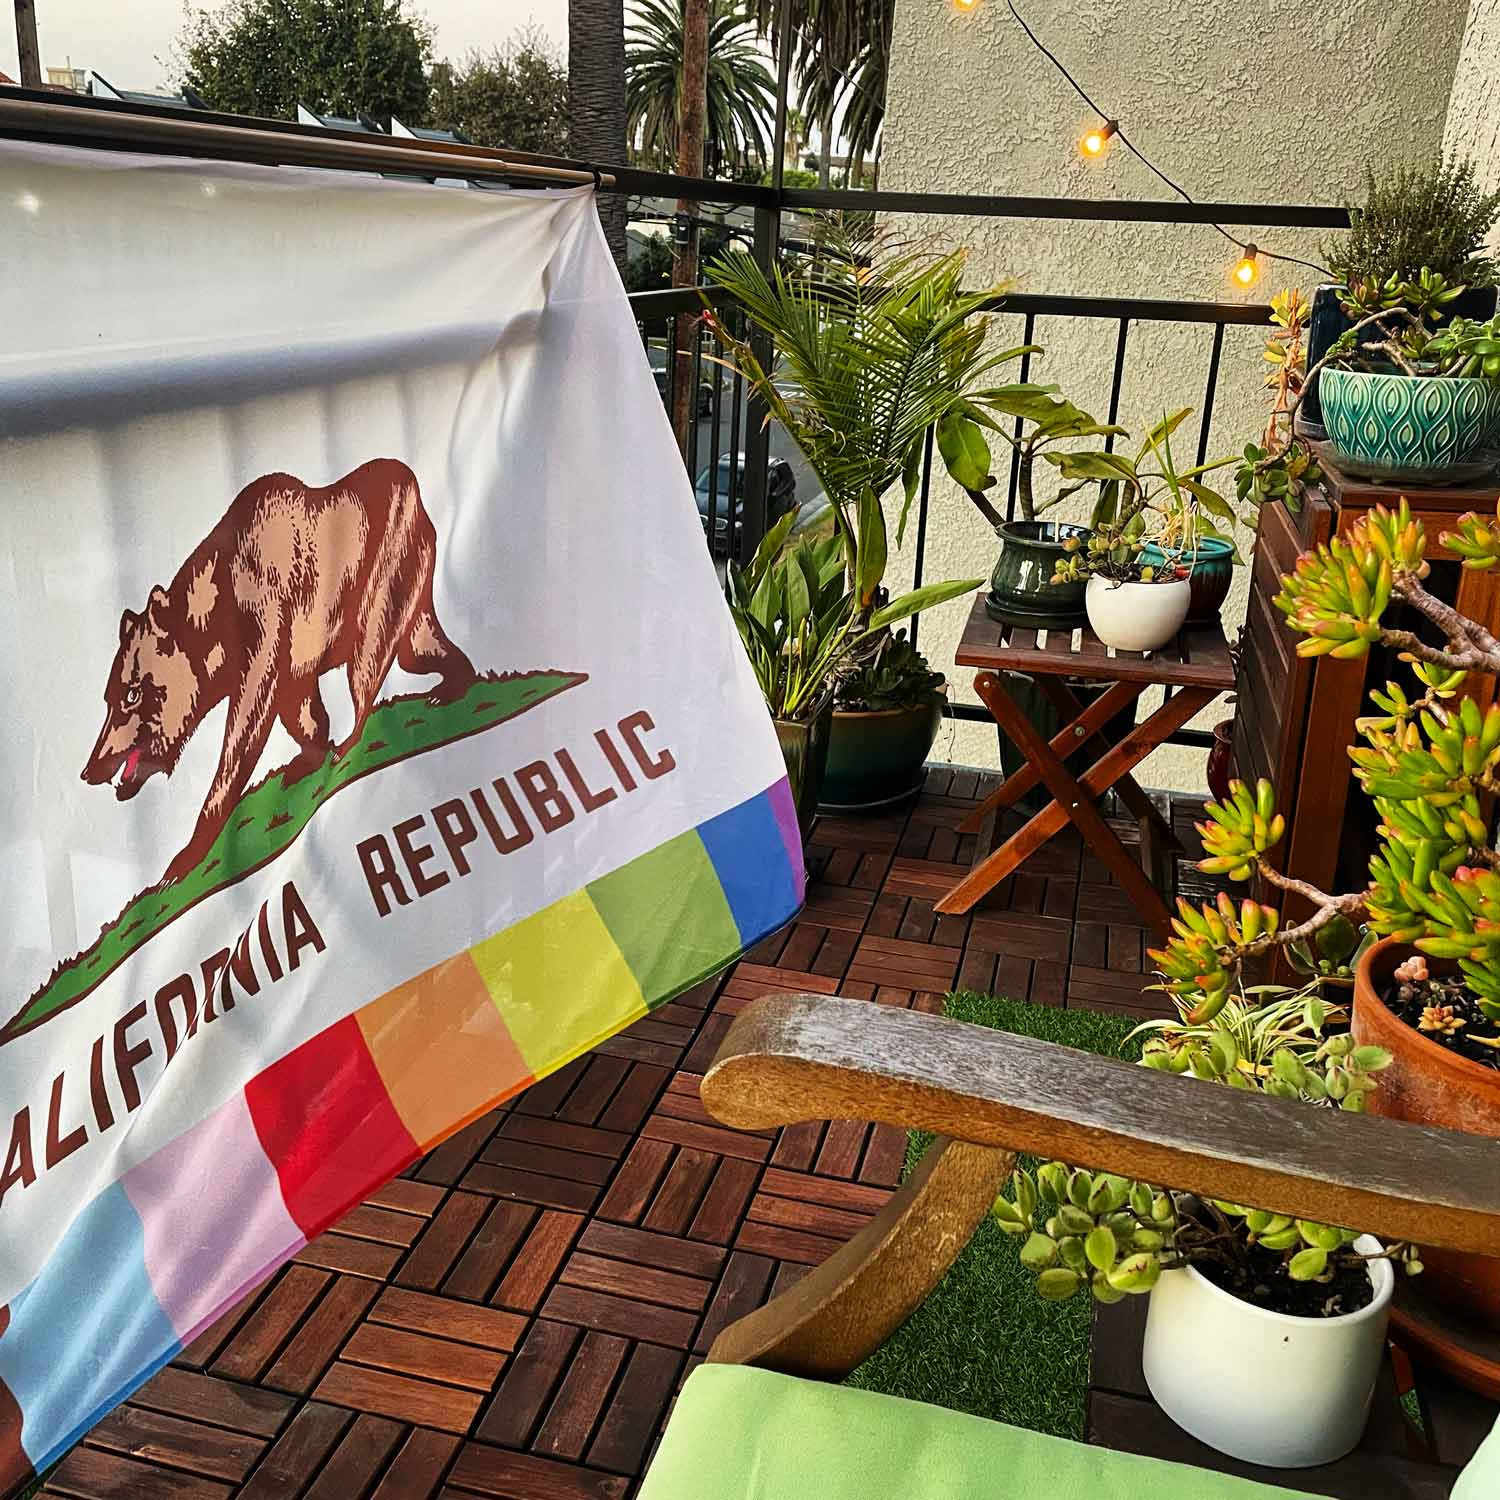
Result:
<point x="825" y="148"/>
<point x="596" y="101"/>
<point x="691" y="126"/>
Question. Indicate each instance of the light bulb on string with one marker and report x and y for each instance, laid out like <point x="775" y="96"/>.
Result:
<point x="1097" y="139"/>
<point x="966" y="5"/>
<point x="1247" y="268"/>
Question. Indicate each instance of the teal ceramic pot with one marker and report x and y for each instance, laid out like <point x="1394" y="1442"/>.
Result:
<point x="1423" y="422"/>
<point x="1213" y="566"/>
<point x="876" y="758"/>
<point x="804" y="748"/>
<point x="1021" y="588"/>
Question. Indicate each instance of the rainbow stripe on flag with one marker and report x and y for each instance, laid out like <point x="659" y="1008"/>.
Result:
<point x="183" y="1235"/>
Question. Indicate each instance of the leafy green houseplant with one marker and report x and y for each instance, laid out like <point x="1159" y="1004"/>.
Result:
<point x="1232" y="1286"/>
<point x="1433" y="216"/>
<point x="801" y="625"/>
<point x="1430" y="760"/>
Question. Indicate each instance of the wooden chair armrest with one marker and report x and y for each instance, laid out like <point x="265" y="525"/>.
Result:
<point x="790" y="1058"/>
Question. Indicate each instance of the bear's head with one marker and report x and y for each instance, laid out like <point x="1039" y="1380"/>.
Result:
<point x="150" y="701"/>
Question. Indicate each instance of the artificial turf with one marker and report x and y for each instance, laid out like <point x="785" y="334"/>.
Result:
<point x="984" y="1342"/>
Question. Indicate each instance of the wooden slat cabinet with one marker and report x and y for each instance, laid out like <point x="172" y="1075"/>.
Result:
<point x="1295" y="716"/>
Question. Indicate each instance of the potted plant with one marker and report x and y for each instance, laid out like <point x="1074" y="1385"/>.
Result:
<point x="878" y="345"/>
<point x="1430" y="761"/>
<point x="1024" y="589"/>
<point x="1434" y="216"/>
<point x="1142" y="549"/>
<point x="1264" y="1333"/>
<point x="1413" y="404"/>
<point x="800" y="626"/>
<point x="888" y="706"/>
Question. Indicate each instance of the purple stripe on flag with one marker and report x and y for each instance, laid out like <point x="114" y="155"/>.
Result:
<point x="214" y="1221"/>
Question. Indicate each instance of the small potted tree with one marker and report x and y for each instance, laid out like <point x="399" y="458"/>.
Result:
<point x="1264" y="1334"/>
<point x="1430" y="995"/>
<point x="1435" y="216"/>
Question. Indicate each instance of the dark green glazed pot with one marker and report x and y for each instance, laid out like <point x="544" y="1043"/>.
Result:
<point x="804" y="748"/>
<point x="876" y="758"/>
<point x="1213" y="568"/>
<point x="1021" y="588"/>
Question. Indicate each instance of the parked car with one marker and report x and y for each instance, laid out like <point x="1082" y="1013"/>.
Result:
<point x="781" y="495"/>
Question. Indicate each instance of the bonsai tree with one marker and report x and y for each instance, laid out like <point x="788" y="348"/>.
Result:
<point x="1428" y="759"/>
<point x="1116" y="1236"/>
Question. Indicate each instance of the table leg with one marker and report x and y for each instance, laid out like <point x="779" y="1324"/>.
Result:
<point x="1080" y="727"/>
<point x="1156" y="832"/>
<point x="1075" y="800"/>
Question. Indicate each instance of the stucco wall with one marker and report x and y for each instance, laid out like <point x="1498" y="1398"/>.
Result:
<point x="1272" y="101"/>
<point x="1474" y="109"/>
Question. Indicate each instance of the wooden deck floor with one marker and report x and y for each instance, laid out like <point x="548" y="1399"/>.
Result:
<point x="512" y="1316"/>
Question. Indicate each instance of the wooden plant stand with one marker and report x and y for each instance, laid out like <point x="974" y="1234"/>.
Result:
<point x="1194" y="670"/>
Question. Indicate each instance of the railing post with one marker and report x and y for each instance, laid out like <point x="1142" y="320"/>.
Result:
<point x="757" y="432"/>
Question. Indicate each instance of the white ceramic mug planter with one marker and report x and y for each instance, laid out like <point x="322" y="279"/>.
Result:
<point x="1263" y="1386"/>
<point x="1137" y="616"/>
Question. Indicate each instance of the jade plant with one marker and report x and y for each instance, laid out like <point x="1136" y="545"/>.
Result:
<point x="1116" y="1236"/>
<point x="1430" y="760"/>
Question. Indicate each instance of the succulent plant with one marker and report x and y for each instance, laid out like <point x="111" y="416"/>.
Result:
<point x="1430" y="763"/>
<point x="892" y="675"/>
<point x="1116" y="1236"/>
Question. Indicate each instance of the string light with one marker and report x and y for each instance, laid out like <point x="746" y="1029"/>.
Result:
<point x="1095" y="142"/>
<point x="966" y="5"/>
<point x="1247" y="270"/>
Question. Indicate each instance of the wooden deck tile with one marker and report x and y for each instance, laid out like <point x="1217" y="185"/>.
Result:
<point x="512" y="1317"/>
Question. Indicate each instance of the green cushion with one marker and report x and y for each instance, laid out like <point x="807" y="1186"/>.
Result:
<point x="743" y="1434"/>
<point x="1480" y="1479"/>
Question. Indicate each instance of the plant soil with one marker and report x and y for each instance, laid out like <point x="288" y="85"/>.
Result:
<point x="1262" y="1281"/>
<point x="1447" y="1012"/>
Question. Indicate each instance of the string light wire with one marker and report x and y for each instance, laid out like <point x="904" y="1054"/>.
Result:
<point x="1249" y="250"/>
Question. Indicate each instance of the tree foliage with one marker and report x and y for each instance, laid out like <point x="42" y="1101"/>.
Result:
<point x="741" y="92"/>
<point x="343" y="57"/>
<point x="514" y="97"/>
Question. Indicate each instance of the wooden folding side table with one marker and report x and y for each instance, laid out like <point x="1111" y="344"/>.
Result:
<point x="1194" y="669"/>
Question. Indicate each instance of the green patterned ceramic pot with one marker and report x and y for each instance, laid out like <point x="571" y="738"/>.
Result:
<point x="1424" y="422"/>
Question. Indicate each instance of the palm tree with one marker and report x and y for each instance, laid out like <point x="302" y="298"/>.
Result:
<point x="596" y="101"/>
<point x="741" y="94"/>
<point x="841" y="50"/>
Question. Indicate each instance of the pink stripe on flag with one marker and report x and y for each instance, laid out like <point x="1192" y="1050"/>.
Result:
<point x="785" y="810"/>
<point x="213" y="1215"/>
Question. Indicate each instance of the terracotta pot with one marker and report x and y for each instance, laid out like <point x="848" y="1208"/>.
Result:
<point x="1430" y="1085"/>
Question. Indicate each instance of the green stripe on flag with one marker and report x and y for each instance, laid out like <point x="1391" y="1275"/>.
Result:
<point x="667" y="913"/>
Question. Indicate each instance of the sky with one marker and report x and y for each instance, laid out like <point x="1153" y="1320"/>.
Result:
<point x="129" y="42"/>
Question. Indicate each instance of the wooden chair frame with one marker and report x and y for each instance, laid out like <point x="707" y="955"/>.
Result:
<point x="793" y="1058"/>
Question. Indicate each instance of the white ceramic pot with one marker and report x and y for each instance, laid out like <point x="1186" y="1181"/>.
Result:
<point x="1137" y="616"/>
<point x="1263" y="1386"/>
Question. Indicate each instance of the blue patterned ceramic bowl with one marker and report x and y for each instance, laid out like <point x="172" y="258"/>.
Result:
<point x="1407" y="422"/>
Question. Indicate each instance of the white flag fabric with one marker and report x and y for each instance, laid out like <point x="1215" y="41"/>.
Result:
<point x="377" y="739"/>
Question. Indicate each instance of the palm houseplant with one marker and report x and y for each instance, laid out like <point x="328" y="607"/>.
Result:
<point x="1434" y="215"/>
<point x="1429" y="993"/>
<point x="1264" y="1333"/>
<point x="877" y="345"/>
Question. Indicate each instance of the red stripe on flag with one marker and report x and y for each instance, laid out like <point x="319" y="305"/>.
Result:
<point x="328" y="1126"/>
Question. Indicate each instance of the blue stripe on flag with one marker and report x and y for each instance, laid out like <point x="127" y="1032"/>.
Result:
<point x="751" y="860"/>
